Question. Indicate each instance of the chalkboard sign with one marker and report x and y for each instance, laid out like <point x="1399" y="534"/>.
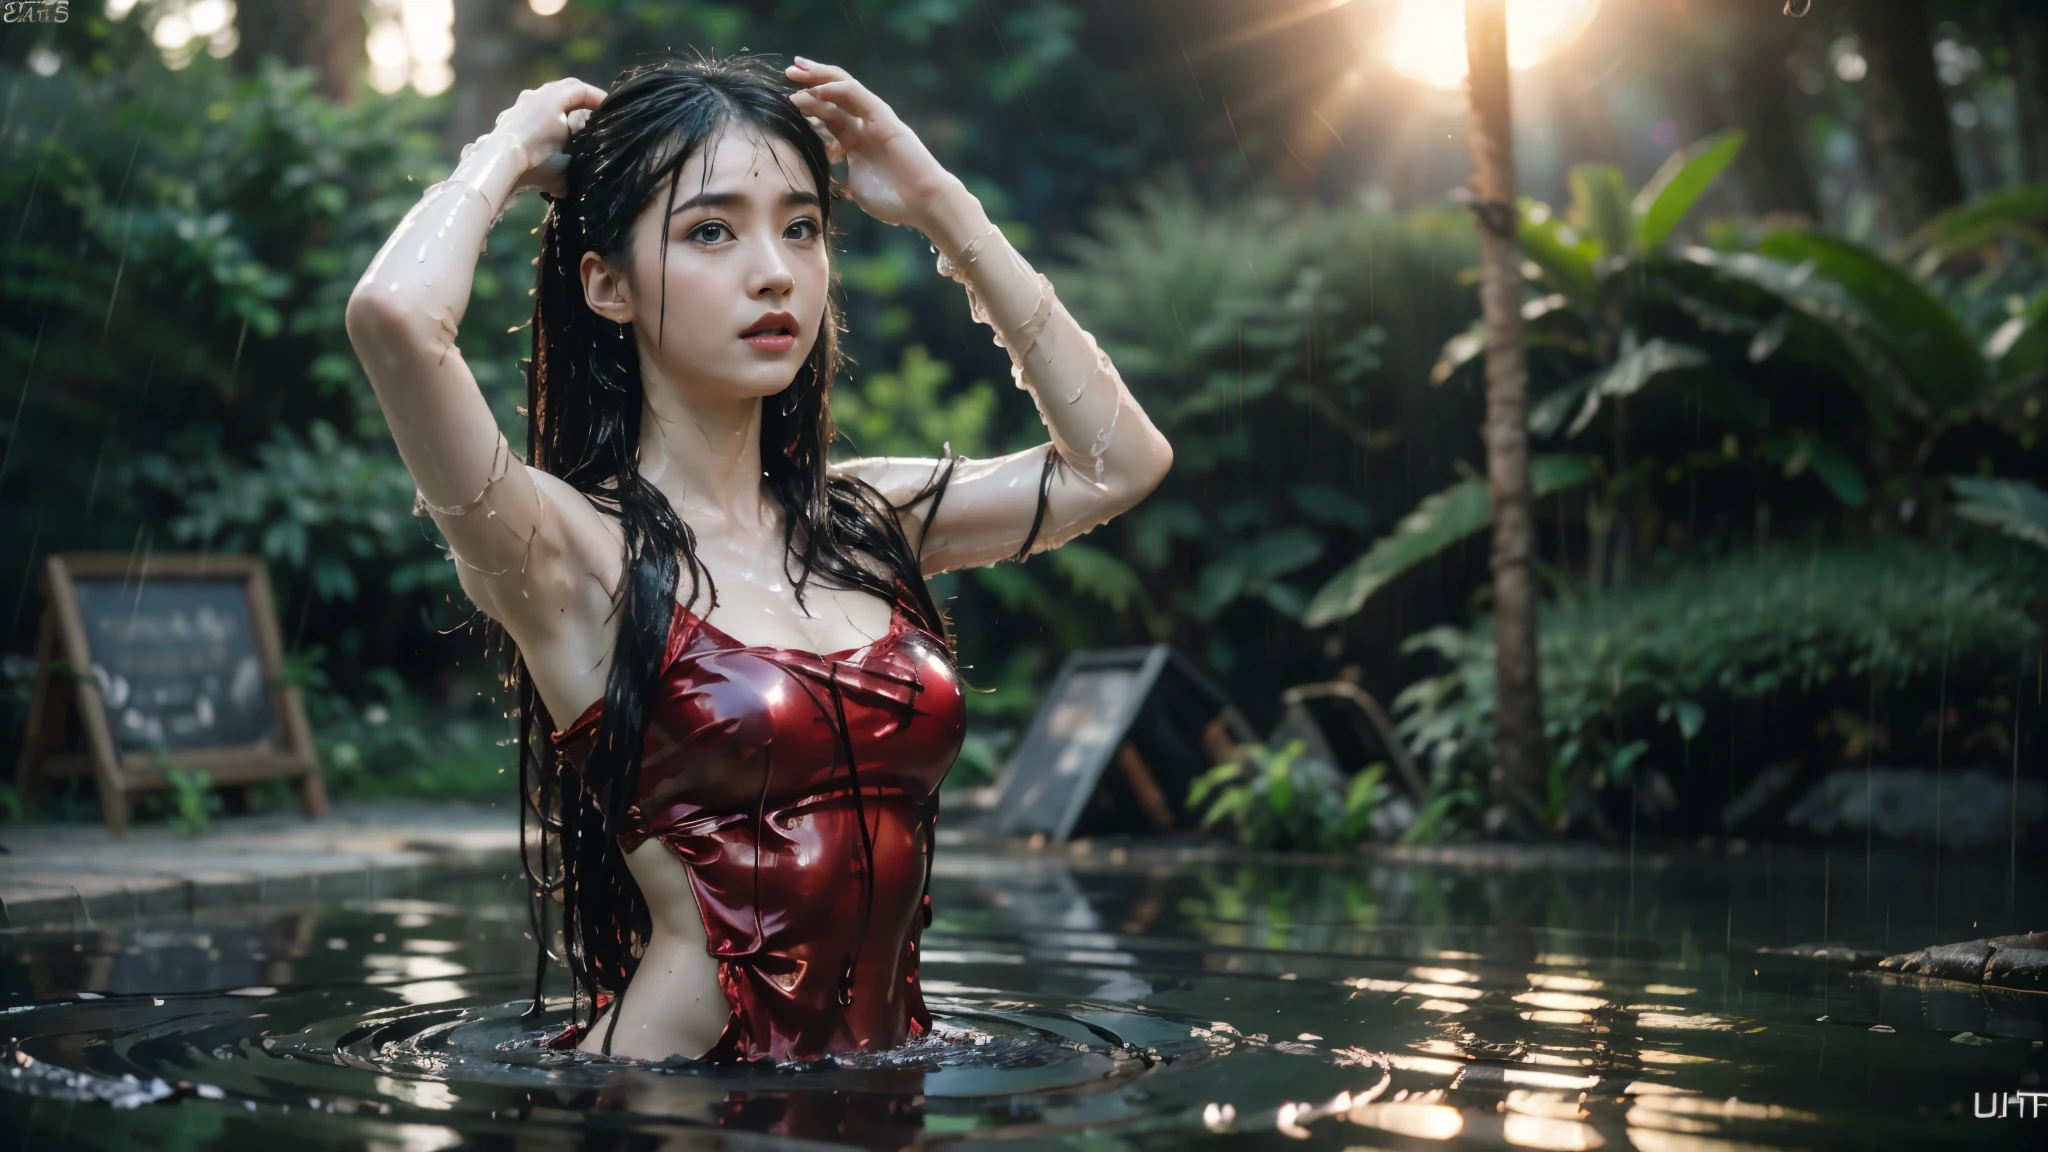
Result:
<point x="1115" y="746"/>
<point x="176" y="663"/>
<point x="161" y="661"/>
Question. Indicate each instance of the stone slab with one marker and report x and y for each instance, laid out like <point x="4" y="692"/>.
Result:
<point x="80" y="874"/>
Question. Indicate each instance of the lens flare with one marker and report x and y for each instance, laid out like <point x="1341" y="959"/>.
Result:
<point x="1425" y="40"/>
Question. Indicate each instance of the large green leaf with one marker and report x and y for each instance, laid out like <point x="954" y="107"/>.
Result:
<point x="1678" y="185"/>
<point x="1252" y="569"/>
<point x="1926" y="338"/>
<point x="1099" y="574"/>
<point x="1439" y="521"/>
<point x="1832" y="312"/>
<point x="2014" y="507"/>
<point x="1565" y="257"/>
<point x="1798" y="450"/>
<point x="1600" y="196"/>
<point x="2020" y="345"/>
<point x="1632" y="370"/>
<point x="2018" y="212"/>
<point x="1459" y="351"/>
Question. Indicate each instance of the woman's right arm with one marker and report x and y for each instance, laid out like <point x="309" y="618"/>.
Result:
<point x="498" y="516"/>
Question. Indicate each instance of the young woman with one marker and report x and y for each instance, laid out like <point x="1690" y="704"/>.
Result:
<point x="737" y="819"/>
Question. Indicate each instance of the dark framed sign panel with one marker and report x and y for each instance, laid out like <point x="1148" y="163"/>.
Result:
<point x="160" y="661"/>
<point x="1115" y="747"/>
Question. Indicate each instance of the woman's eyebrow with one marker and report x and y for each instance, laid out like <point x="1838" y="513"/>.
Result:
<point x="790" y="198"/>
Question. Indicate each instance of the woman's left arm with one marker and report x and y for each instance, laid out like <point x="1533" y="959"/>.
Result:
<point x="1105" y="454"/>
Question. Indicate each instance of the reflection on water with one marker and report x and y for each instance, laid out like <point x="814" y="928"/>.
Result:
<point x="1105" y="1001"/>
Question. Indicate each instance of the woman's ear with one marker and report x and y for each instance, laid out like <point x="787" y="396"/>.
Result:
<point x="605" y="290"/>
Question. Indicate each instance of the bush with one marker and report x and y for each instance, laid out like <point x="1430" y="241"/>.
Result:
<point x="1628" y="677"/>
<point x="1280" y="798"/>
<point x="401" y="743"/>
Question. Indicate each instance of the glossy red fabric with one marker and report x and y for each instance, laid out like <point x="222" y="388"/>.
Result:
<point x="744" y="775"/>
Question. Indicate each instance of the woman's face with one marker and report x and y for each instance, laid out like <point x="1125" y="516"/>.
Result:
<point x="746" y="271"/>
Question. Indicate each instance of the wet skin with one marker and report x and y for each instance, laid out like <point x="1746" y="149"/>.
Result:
<point x="746" y="265"/>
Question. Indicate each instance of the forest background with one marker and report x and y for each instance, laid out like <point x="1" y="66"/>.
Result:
<point x="1786" y="308"/>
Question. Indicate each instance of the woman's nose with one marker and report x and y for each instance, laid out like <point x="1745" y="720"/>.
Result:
<point x="773" y="278"/>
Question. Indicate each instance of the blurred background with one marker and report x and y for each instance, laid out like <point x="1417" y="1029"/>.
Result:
<point x="1785" y="423"/>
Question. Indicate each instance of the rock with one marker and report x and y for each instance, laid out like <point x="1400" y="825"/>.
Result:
<point x="1975" y="808"/>
<point x="1834" y="955"/>
<point x="2017" y="962"/>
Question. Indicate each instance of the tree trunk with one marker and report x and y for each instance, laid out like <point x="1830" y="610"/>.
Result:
<point x="340" y="53"/>
<point x="1772" y="169"/>
<point x="325" y="35"/>
<point x="488" y="68"/>
<point x="2030" y="90"/>
<point x="1905" y="114"/>
<point x="278" y="29"/>
<point x="1518" y="769"/>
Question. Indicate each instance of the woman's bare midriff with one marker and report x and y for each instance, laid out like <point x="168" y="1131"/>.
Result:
<point x="673" y="1006"/>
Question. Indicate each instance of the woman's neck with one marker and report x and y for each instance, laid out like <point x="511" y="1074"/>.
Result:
<point x="704" y="455"/>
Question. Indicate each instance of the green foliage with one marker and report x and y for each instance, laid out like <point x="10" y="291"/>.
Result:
<point x="1439" y="521"/>
<point x="1672" y="651"/>
<point x="185" y="243"/>
<point x="193" y="801"/>
<point x="401" y="743"/>
<point x="909" y="413"/>
<point x="1280" y="798"/>
<point x="317" y="507"/>
<point x="2013" y="507"/>
<point x="1669" y="196"/>
<point x="1275" y="345"/>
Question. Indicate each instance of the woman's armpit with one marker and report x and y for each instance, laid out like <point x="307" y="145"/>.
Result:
<point x="564" y="567"/>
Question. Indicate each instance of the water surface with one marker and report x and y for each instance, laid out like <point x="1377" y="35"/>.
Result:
<point x="1096" y="1000"/>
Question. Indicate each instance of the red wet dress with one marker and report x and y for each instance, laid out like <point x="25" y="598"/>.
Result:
<point x="759" y="768"/>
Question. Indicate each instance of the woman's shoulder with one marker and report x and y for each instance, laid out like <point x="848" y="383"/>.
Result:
<point x="898" y="478"/>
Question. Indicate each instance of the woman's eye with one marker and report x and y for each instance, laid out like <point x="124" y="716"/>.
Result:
<point x="803" y="229"/>
<point x="709" y="233"/>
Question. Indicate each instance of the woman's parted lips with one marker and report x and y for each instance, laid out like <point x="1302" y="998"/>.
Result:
<point x="770" y="323"/>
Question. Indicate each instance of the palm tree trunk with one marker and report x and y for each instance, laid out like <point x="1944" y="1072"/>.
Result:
<point x="1904" y="112"/>
<point x="1518" y="769"/>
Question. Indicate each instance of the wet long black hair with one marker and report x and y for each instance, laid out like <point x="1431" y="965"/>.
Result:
<point x="584" y="404"/>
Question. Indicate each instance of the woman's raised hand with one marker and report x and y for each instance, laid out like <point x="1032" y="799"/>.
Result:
<point x="541" y="121"/>
<point x="889" y="171"/>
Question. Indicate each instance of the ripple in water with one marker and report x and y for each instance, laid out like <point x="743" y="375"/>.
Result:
<point x="481" y="1057"/>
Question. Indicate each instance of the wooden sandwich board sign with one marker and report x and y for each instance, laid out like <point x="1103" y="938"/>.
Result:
<point x="1120" y="738"/>
<point x="159" y="661"/>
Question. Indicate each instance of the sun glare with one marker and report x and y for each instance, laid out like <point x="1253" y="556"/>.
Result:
<point x="1426" y="39"/>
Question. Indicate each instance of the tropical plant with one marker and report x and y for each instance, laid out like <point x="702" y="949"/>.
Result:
<point x="1632" y="678"/>
<point x="1269" y="344"/>
<point x="1698" y="366"/>
<point x="2014" y="507"/>
<point x="185" y="245"/>
<point x="1281" y="798"/>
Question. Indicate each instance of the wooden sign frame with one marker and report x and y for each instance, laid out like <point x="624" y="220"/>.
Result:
<point x="1153" y="763"/>
<point x="63" y="653"/>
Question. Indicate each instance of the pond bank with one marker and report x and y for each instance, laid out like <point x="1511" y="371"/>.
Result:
<point x="77" y="874"/>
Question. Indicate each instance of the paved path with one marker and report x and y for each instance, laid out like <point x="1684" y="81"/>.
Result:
<point x="55" y="874"/>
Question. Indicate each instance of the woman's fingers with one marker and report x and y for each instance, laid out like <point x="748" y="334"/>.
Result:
<point x="834" y="150"/>
<point x="577" y="94"/>
<point x="812" y="72"/>
<point x="551" y="175"/>
<point x="853" y="96"/>
<point x="837" y="120"/>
